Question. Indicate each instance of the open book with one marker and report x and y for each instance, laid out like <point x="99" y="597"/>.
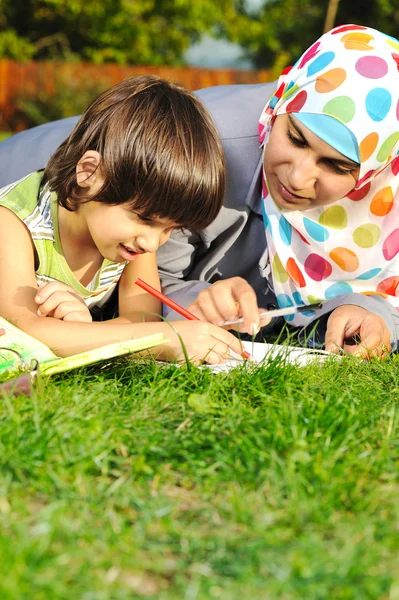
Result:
<point x="19" y="351"/>
<point x="261" y="353"/>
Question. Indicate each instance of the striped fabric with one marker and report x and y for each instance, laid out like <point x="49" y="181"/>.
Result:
<point x="37" y="207"/>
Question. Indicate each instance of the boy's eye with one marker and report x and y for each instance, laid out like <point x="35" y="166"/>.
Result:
<point x="295" y="140"/>
<point x="146" y="220"/>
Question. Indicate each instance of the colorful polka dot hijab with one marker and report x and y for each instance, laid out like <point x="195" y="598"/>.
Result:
<point x="351" y="74"/>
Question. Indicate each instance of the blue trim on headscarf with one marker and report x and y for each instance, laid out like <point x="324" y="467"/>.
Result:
<point x="331" y="131"/>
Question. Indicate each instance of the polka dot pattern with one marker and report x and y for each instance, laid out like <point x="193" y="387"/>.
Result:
<point x="330" y="81"/>
<point x="342" y="108"/>
<point x="372" y="67"/>
<point x="390" y="247"/>
<point x="387" y="146"/>
<point x="295" y="273"/>
<point x="317" y="267"/>
<point x="368" y="145"/>
<point x="335" y="217"/>
<point x="378" y="103"/>
<point x="366" y="236"/>
<point x="320" y="63"/>
<point x="389" y="286"/>
<point x="285" y="231"/>
<point x="350" y="245"/>
<point x="316" y="231"/>
<point x="338" y="289"/>
<point x="369" y="274"/>
<point x="382" y="202"/>
<point x="345" y="259"/>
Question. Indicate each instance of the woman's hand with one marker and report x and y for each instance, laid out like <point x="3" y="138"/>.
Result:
<point x="347" y="321"/>
<point x="60" y="301"/>
<point x="228" y="300"/>
<point x="203" y="341"/>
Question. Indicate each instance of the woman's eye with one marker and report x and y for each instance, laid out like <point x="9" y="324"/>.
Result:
<point x="296" y="141"/>
<point x="337" y="169"/>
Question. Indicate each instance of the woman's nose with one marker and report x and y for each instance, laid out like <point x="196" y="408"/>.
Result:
<point x="302" y="175"/>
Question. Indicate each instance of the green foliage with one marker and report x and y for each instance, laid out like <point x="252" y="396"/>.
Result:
<point x="68" y="98"/>
<point x="278" y="32"/>
<point x="123" y="31"/>
<point x="137" y="480"/>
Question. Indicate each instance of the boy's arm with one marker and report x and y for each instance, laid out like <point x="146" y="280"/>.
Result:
<point x="18" y="289"/>
<point x="135" y="304"/>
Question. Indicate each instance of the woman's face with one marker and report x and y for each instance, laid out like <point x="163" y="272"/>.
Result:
<point x="302" y="170"/>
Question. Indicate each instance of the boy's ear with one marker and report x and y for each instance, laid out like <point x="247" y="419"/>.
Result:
<point x="88" y="170"/>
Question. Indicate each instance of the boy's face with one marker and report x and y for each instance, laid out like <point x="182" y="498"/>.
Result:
<point x="119" y="234"/>
<point x="302" y="170"/>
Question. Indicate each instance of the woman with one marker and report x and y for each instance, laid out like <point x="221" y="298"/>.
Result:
<point x="331" y="137"/>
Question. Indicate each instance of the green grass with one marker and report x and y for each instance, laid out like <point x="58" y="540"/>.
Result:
<point x="148" y="481"/>
<point x="4" y="135"/>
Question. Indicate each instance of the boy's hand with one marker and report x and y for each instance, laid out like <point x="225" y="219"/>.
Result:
<point x="347" y="321"/>
<point x="60" y="301"/>
<point x="203" y="341"/>
<point x="228" y="300"/>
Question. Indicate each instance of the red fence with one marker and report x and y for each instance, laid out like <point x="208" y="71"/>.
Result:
<point x="27" y="79"/>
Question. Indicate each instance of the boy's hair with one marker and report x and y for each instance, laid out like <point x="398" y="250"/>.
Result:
<point x="159" y="148"/>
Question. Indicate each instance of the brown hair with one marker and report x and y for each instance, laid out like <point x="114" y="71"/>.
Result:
<point x="159" y="149"/>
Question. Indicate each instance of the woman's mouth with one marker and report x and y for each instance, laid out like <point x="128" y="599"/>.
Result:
<point x="291" y="198"/>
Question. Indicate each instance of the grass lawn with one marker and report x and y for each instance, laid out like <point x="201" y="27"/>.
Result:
<point x="4" y="135"/>
<point x="149" y="481"/>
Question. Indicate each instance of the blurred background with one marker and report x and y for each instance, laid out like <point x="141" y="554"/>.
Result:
<point x="57" y="55"/>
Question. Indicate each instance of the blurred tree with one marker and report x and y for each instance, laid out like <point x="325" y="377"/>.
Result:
<point x="123" y="31"/>
<point x="277" y="33"/>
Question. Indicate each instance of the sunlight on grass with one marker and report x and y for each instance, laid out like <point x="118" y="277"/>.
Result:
<point x="152" y="481"/>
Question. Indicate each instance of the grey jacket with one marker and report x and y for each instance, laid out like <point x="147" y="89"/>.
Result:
<point x="233" y="245"/>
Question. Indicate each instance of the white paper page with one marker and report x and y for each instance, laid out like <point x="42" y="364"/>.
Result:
<point x="262" y="352"/>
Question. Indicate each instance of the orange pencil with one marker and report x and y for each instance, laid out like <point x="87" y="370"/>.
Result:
<point x="172" y="304"/>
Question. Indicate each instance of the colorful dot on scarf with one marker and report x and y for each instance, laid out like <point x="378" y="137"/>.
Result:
<point x="387" y="146"/>
<point x="316" y="231"/>
<point x="321" y="62"/>
<point x="297" y="103"/>
<point x="279" y="272"/>
<point x="382" y="202"/>
<point x="369" y="274"/>
<point x="395" y="166"/>
<point x="335" y="217"/>
<point x="359" y="194"/>
<point x="368" y="145"/>
<point x="317" y="267"/>
<point x="295" y="273"/>
<point x="338" y="289"/>
<point x="309" y="54"/>
<point x="284" y="301"/>
<point x="372" y="67"/>
<point x="342" y="108"/>
<point x="330" y="81"/>
<point x="390" y="247"/>
<point x="378" y="103"/>
<point x="366" y="236"/>
<point x="285" y="230"/>
<point x="345" y="259"/>
<point x="389" y="286"/>
<point x="357" y="41"/>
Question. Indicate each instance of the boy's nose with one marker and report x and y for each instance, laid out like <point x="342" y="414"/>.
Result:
<point x="149" y="243"/>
